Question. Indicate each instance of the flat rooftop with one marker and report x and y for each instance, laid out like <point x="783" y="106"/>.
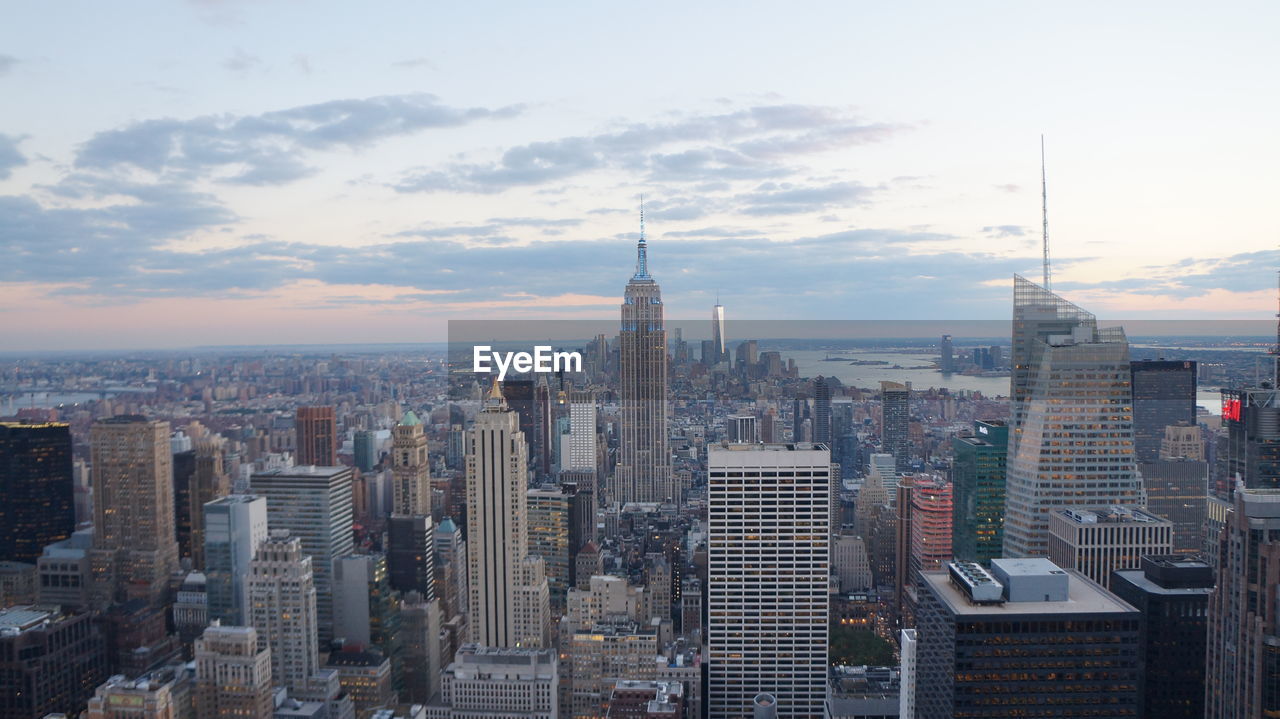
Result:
<point x="1087" y="516"/>
<point x="301" y="471"/>
<point x="774" y="447"/>
<point x="23" y="617"/>
<point x="1139" y="579"/>
<point x="1083" y="597"/>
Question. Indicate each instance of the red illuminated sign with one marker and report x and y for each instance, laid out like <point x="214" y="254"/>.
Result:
<point x="1231" y="409"/>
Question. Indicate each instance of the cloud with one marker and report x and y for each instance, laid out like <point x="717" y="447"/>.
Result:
<point x="1195" y="277"/>
<point x="788" y="198"/>
<point x="242" y="62"/>
<point x="414" y="62"/>
<point x="107" y="249"/>
<point x="751" y="144"/>
<point x="269" y="148"/>
<point x="10" y="157"/>
<point x="7" y="62"/>
<point x="1002" y="231"/>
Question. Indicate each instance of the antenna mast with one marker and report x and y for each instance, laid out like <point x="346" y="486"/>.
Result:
<point x="1275" y="349"/>
<point x="1044" y="209"/>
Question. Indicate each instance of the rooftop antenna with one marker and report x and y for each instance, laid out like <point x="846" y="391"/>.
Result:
<point x="1275" y="348"/>
<point x="1044" y="209"/>
<point x="642" y="262"/>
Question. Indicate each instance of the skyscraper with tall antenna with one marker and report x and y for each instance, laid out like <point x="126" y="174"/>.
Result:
<point x="1072" y="407"/>
<point x="643" y="473"/>
<point x="717" y="332"/>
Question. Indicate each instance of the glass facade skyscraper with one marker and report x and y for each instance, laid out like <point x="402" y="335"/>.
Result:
<point x="1072" y="441"/>
<point x="38" y="506"/>
<point x="978" y="479"/>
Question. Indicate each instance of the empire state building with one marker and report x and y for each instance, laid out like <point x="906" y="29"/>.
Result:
<point x="643" y="473"/>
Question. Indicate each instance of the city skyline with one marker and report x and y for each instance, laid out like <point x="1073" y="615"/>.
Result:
<point x="302" y="191"/>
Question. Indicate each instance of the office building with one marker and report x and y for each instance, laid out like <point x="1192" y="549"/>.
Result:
<point x="37" y="486"/>
<point x="1251" y="417"/>
<point x="365" y="446"/>
<point x="719" y="353"/>
<point x="741" y="429"/>
<point x="234" y="527"/>
<point x="643" y="473"/>
<point x="410" y="468"/>
<point x="282" y="597"/>
<point x="581" y="456"/>
<point x="411" y="561"/>
<point x="549" y="510"/>
<point x="1098" y="541"/>
<point x="768" y="558"/>
<point x="946" y="360"/>
<point x="1075" y="653"/>
<point x="908" y="641"/>
<point x="931" y="511"/>
<point x="134" y="546"/>
<point x="509" y="602"/>
<point x="1178" y="490"/>
<point x="317" y="441"/>
<point x="147" y="697"/>
<point x="523" y="682"/>
<point x="978" y="489"/>
<point x="1172" y="595"/>
<point x="198" y="479"/>
<point x="191" y="610"/>
<point x="365" y="677"/>
<point x="314" y="504"/>
<point x="422" y="655"/>
<point x="602" y="655"/>
<point x="647" y="699"/>
<point x="362" y="603"/>
<point x="50" y="661"/>
<point x="851" y="564"/>
<point x="1164" y="394"/>
<point x="895" y="423"/>
<point x="1183" y="441"/>
<point x="64" y="572"/>
<point x="233" y="675"/>
<point x="822" y="411"/>
<point x="1076" y="395"/>
<point x="1243" y="671"/>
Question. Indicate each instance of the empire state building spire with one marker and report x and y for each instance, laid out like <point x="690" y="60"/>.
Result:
<point x="642" y="261"/>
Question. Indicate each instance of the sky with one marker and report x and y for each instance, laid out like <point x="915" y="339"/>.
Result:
<point x="218" y="172"/>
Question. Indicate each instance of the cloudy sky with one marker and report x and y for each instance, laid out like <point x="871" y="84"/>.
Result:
<point x="220" y="172"/>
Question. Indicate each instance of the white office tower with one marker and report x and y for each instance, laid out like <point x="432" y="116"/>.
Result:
<point x="768" y="585"/>
<point x="581" y="456"/>
<point x="907" y="685"/>
<point x="282" y="598"/>
<point x="315" y="505"/>
<point x="233" y="675"/>
<point x="1073" y="419"/>
<point x="500" y="684"/>
<point x="410" y="468"/>
<point x="509" y="604"/>
<point x="884" y="467"/>
<point x="234" y="526"/>
<point x="717" y="336"/>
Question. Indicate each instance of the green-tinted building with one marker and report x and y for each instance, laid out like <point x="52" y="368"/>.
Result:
<point x="977" y="527"/>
